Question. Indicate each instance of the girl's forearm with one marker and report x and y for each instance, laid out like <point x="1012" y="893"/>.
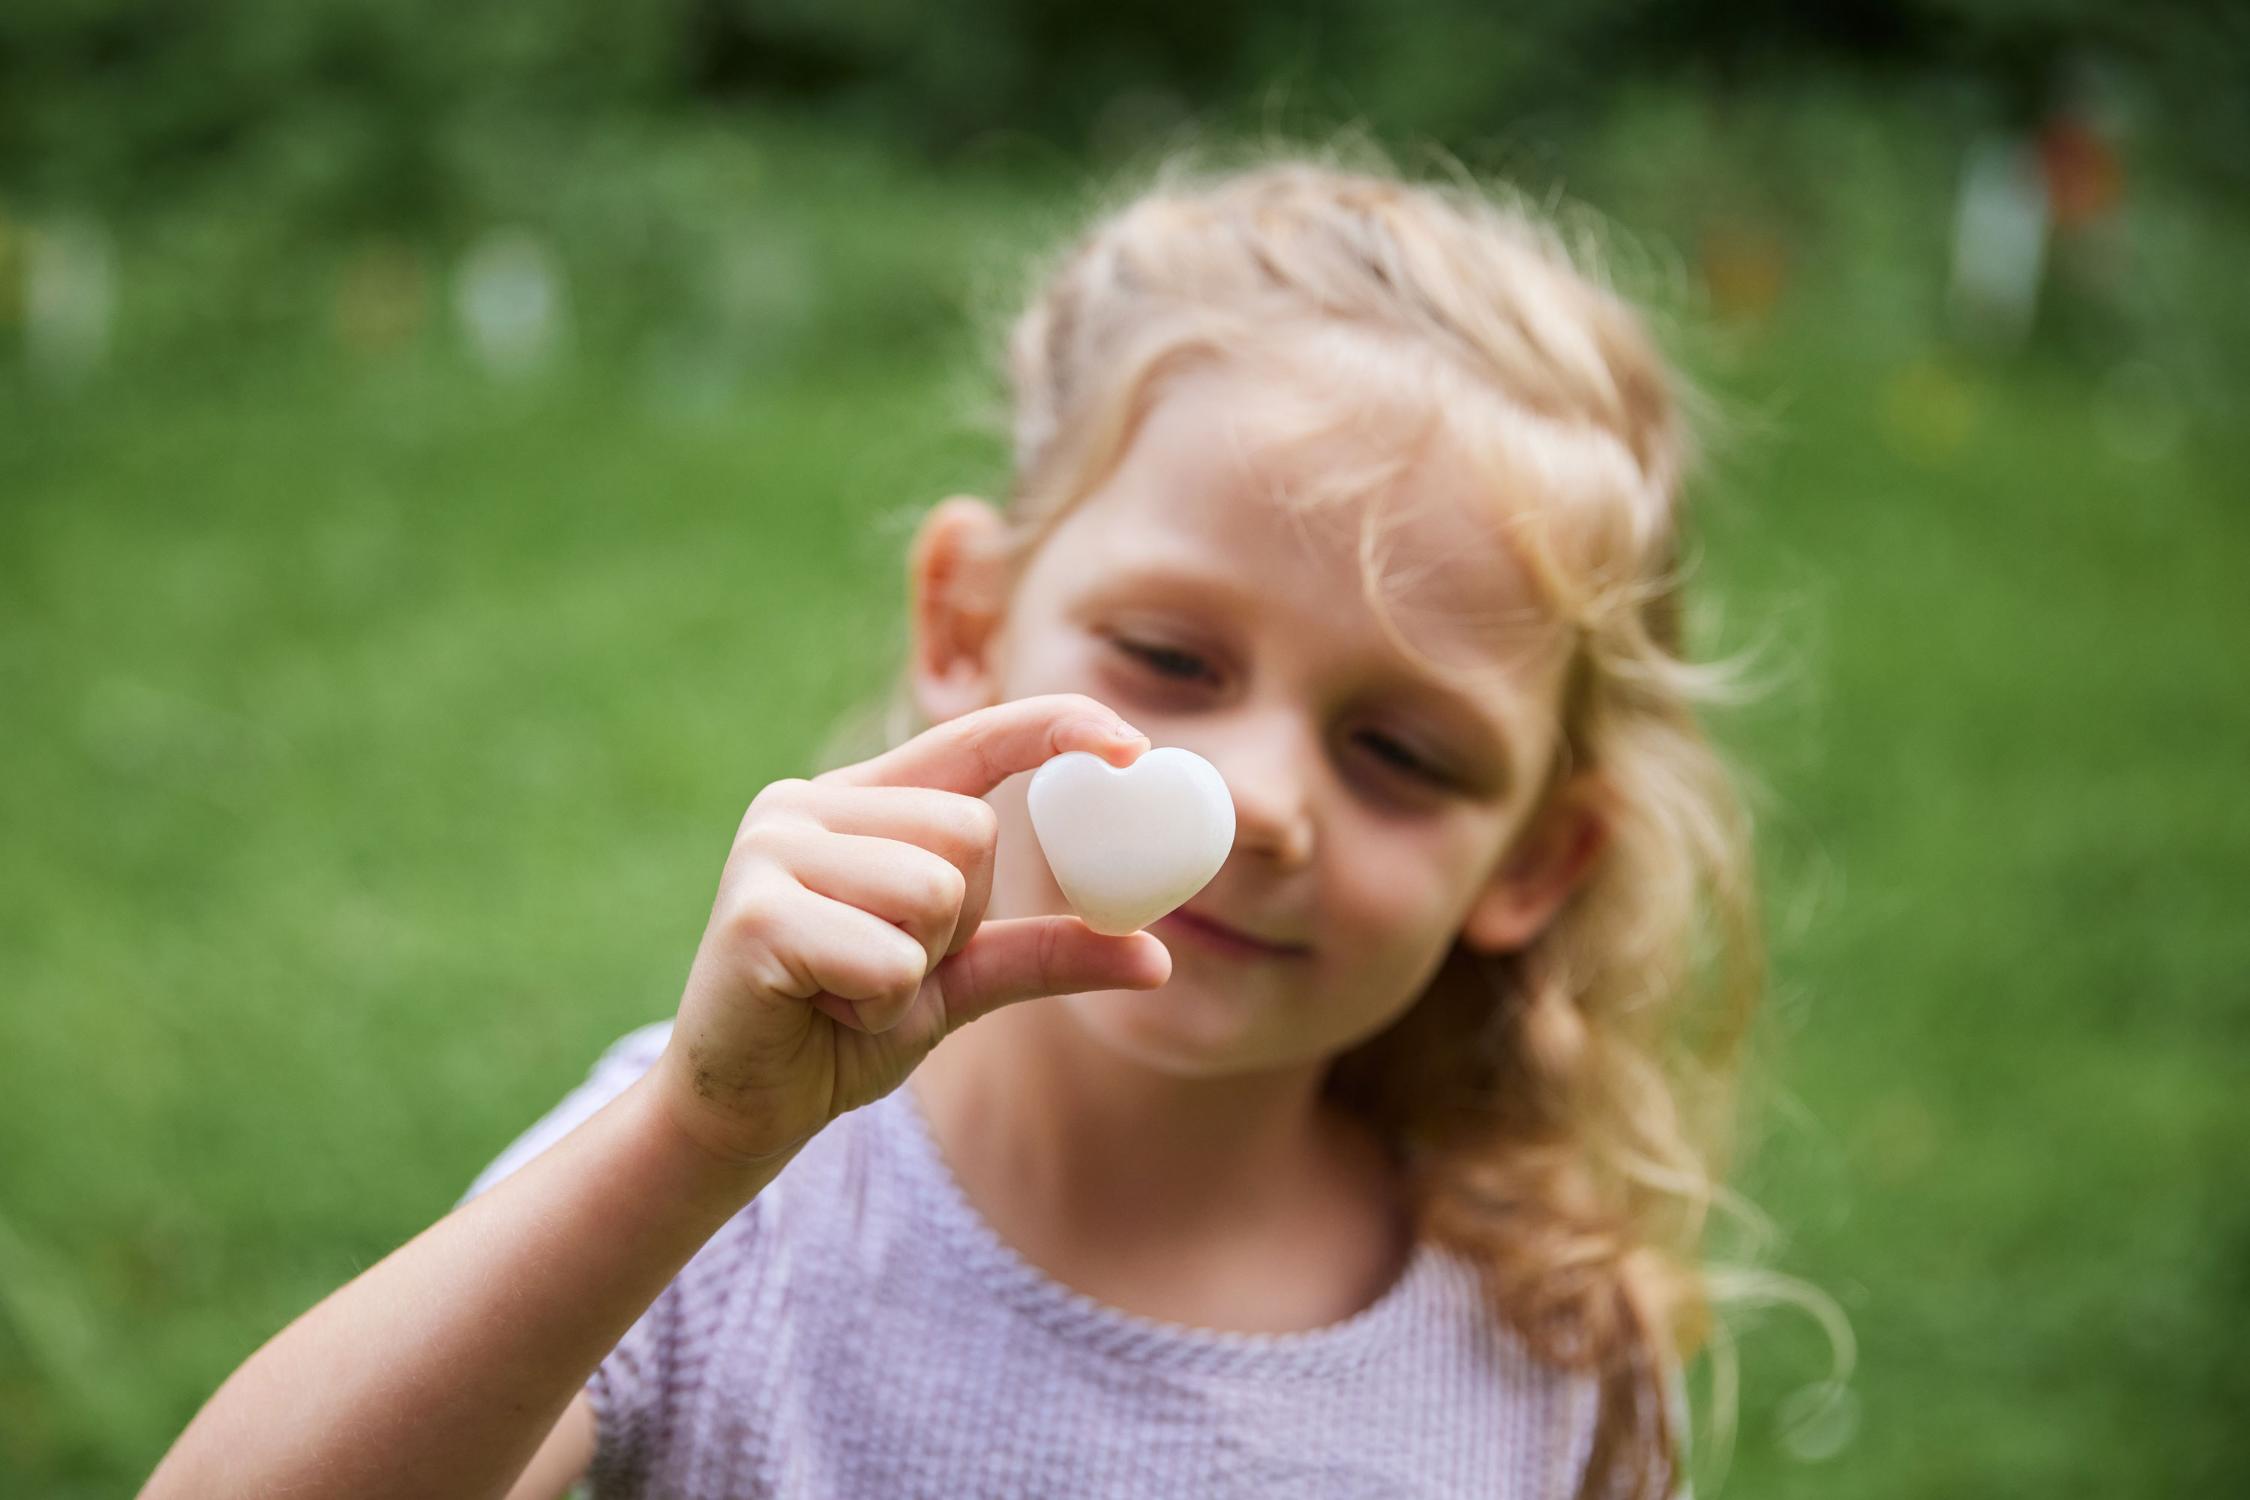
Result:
<point x="440" y="1369"/>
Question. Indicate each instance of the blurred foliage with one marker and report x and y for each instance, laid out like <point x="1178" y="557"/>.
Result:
<point x="710" y="242"/>
<point x="359" y="109"/>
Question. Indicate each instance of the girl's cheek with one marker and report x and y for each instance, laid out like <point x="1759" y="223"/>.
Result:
<point x="1044" y="669"/>
<point x="1074" y="664"/>
<point x="1401" y="888"/>
<point x="1390" y="898"/>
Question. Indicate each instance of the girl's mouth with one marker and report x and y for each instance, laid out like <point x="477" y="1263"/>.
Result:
<point x="1218" y="937"/>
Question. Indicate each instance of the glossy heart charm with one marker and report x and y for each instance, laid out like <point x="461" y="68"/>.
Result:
<point x="1127" y="846"/>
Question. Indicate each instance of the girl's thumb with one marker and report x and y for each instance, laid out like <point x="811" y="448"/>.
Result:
<point x="1023" y="958"/>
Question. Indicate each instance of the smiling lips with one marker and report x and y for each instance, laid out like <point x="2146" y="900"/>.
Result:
<point x="1220" y="938"/>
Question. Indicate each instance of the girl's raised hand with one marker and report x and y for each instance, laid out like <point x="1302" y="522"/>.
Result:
<point x="848" y="937"/>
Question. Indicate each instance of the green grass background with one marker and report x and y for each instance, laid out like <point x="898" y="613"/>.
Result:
<point x="375" y="731"/>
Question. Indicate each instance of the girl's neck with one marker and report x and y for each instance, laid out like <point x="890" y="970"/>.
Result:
<point x="1129" y="1182"/>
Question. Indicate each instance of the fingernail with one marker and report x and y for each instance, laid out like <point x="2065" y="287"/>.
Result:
<point x="1122" y="734"/>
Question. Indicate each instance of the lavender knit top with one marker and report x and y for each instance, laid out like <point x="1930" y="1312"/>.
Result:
<point x="860" y="1330"/>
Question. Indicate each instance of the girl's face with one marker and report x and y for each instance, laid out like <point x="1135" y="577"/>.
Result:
<point x="1382" y="803"/>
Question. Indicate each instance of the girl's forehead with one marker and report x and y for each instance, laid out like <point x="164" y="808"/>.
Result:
<point x="1257" y="484"/>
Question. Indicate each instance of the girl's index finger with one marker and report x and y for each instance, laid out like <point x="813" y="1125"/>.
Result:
<point x="975" y="752"/>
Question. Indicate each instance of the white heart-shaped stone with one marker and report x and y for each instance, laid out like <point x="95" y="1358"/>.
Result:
<point x="1127" y="845"/>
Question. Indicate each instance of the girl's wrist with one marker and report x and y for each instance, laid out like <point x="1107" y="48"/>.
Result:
<point x="679" y="1164"/>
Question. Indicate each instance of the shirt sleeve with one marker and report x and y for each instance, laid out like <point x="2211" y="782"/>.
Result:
<point x="627" y="1059"/>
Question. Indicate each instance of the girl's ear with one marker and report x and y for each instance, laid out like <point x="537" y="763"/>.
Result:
<point x="1551" y="857"/>
<point x="954" y="581"/>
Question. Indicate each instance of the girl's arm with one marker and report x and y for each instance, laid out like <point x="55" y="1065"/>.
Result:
<point x="444" y="1367"/>
<point x="847" y="938"/>
<point x="567" y="1455"/>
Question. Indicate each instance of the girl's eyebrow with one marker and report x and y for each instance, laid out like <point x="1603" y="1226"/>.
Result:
<point x="1177" y="577"/>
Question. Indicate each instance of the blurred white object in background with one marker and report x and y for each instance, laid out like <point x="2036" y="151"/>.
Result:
<point x="70" y="300"/>
<point x="1999" y="242"/>
<point x="508" y="296"/>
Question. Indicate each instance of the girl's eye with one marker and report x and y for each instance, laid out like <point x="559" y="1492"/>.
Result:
<point x="1399" y="757"/>
<point x="1165" y="661"/>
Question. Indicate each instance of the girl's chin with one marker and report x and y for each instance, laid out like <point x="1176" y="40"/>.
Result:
<point x="1178" y="1026"/>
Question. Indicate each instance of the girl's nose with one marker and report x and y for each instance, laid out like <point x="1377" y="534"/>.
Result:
<point x="1273" y="815"/>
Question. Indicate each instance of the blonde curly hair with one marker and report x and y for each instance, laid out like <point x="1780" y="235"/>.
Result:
<point x="1564" y="1111"/>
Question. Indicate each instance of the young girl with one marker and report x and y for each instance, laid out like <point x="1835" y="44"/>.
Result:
<point x="1376" y="1169"/>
